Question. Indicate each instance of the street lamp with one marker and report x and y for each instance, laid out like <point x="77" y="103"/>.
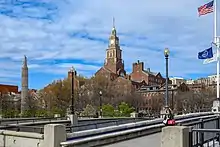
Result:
<point x="72" y="71"/>
<point x="166" y="54"/>
<point x="169" y="117"/>
<point x="100" y="102"/>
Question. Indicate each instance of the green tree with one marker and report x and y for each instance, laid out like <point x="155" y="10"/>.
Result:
<point x="125" y="109"/>
<point x="108" y="110"/>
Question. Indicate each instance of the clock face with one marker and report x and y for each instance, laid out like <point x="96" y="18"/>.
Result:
<point x="112" y="41"/>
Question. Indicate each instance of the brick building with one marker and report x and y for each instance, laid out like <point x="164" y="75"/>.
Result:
<point x="149" y="92"/>
<point x="113" y="68"/>
<point x="5" y="89"/>
<point x="114" y="65"/>
<point x="139" y="74"/>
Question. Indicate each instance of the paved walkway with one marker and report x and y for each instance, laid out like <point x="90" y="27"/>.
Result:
<point x="153" y="140"/>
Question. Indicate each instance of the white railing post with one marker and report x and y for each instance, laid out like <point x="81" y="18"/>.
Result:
<point x="54" y="134"/>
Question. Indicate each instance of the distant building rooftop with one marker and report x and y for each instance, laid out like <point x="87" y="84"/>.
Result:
<point x="177" y="78"/>
<point x="5" y="88"/>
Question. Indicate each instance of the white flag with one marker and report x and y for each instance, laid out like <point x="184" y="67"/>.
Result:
<point x="210" y="60"/>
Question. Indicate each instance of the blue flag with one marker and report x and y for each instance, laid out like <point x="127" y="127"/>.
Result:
<point x="206" y="54"/>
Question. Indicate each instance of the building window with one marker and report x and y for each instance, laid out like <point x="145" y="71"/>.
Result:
<point x="146" y="102"/>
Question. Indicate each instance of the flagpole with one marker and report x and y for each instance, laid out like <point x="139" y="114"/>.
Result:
<point x="216" y="42"/>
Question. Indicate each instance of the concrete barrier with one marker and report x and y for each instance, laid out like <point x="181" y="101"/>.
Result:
<point x="180" y="119"/>
<point x="112" y="134"/>
<point x="84" y="124"/>
<point x="175" y="136"/>
<point x="19" y="139"/>
<point x="53" y="135"/>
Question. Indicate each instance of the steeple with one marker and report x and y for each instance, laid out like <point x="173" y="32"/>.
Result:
<point x="113" y="60"/>
<point x="113" y="27"/>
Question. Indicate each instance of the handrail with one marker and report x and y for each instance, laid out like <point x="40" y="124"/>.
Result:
<point x="40" y="122"/>
<point x="122" y="127"/>
<point x="148" y="126"/>
<point x="32" y="118"/>
<point x="206" y="130"/>
<point x="110" y="135"/>
<point x="199" y="120"/>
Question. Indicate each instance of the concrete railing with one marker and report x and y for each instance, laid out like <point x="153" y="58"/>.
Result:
<point x="83" y="124"/>
<point x="121" y="127"/>
<point x="108" y="135"/>
<point x="55" y="134"/>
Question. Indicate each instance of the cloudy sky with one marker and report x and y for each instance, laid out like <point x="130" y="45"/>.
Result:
<point x="58" y="34"/>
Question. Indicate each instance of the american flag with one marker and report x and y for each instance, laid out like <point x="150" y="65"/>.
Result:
<point x="205" y="9"/>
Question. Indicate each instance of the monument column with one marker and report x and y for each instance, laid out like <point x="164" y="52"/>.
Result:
<point x="24" y="84"/>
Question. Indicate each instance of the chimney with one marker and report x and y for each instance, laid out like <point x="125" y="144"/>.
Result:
<point x="148" y="69"/>
<point x="139" y="66"/>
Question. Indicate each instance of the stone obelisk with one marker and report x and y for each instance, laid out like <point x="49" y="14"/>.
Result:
<point x="24" y="84"/>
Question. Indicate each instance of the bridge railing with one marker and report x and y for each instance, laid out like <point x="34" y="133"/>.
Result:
<point x="103" y="123"/>
<point x="85" y="124"/>
<point x="5" y="121"/>
<point x="204" y="132"/>
<point x="56" y="133"/>
<point x="197" y="139"/>
<point x="125" y="131"/>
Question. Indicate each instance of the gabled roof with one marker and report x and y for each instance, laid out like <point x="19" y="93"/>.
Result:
<point x="143" y="83"/>
<point x="158" y="74"/>
<point x="149" y="72"/>
<point x="123" y="78"/>
<point x="103" y="68"/>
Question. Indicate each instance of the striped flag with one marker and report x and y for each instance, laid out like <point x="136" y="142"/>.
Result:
<point x="207" y="8"/>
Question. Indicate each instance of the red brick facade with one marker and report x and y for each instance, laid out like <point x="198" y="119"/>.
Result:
<point x="8" y="88"/>
<point x="139" y="74"/>
<point x="113" y="68"/>
<point x="113" y="60"/>
<point x="148" y="92"/>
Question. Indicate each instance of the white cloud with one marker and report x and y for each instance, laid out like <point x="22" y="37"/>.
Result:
<point x="79" y="30"/>
<point x="63" y="69"/>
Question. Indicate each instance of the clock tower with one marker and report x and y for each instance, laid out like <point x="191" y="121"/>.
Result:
<point x="113" y="60"/>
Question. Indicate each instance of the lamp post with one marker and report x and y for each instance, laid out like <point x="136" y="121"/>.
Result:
<point x="72" y="71"/>
<point x="166" y="54"/>
<point x="169" y="116"/>
<point x="100" y="102"/>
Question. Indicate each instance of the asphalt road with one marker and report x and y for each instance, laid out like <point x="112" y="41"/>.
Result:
<point x="153" y="140"/>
